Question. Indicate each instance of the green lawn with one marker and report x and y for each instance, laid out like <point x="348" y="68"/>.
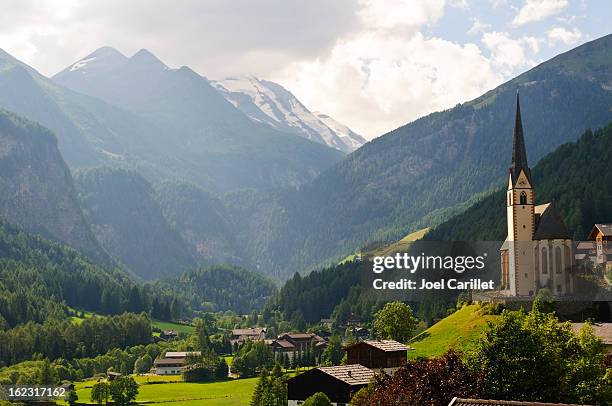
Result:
<point x="165" y="325"/>
<point x="168" y="390"/>
<point x="459" y="331"/>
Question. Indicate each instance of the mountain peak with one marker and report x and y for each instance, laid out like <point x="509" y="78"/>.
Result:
<point x="145" y="57"/>
<point x="107" y="52"/>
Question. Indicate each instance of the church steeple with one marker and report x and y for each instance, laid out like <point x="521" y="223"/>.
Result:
<point x="519" y="155"/>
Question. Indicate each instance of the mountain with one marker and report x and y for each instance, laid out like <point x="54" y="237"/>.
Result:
<point x="124" y="215"/>
<point x="204" y="138"/>
<point x="418" y="174"/>
<point x="36" y="188"/>
<point x="577" y="177"/>
<point x="270" y="103"/>
<point x="203" y="221"/>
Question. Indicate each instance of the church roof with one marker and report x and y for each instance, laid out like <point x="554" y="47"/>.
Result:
<point x="519" y="154"/>
<point x="549" y="223"/>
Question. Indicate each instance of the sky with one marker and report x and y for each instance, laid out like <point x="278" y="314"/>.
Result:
<point x="373" y="65"/>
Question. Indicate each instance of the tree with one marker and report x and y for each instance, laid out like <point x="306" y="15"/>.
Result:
<point x="47" y="374"/>
<point x="100" y="393"/>
<point x="72" y="397"/>
<point x="395" y="322"/>
<point x="430" y="382"/>
<point x="535" y="357"/>
<point x="318" y="399"/>
<point x="202" y="334"/>
<point x="143" y="364"/>
<point x="259" y="392"/>
<point x="333" y="353"/>
<point x="123" y="390"/>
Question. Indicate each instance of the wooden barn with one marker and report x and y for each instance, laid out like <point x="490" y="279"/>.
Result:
<point x="377" y="354"/>
<point x="339" y="383"/>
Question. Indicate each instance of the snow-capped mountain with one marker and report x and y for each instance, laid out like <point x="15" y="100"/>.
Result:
<point x="270" y="103"/>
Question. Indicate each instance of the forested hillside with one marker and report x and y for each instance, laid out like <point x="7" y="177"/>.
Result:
<point x="577" y="178"/>
<point x="408" y="178"/>
<point x="221" y="288"/>
<point x="40" y="278"/>
<point x="128" y="222"/>
<point x="36" y="189"/>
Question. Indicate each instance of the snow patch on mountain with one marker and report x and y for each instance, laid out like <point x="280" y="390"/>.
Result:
<point x="270" y="103"/>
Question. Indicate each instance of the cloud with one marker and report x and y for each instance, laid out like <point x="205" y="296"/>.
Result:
<point x="536" y="10"/>
<point x="214" y="37"/>
<point x="381" y="77"/>
<point x="478" y="27"/>
<point x="509" y="54"/>
<point x="561" y="35"/>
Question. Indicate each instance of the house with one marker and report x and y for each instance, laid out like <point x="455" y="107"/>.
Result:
<point x="339" y="383"/>
<point x="601" y="234"/>
<point x="173" y="362"/>
<point x="292" y="343"/>
<point x="353" y="320"/>
<point x="537" y="252"/>
<point x="603" y="331"/>
<point x="386" y="355"/>
<point x="168" y="335"/>
<point x="111" y="376"/>
<point x="482" y="402"/>
<point x="240" y="335"/>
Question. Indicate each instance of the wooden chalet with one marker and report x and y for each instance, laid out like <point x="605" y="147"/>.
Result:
<point x="483" y="402"/>
<point x="601" y="234"/>
<point x="339" y="383"/>
<point x="377" y="354"/>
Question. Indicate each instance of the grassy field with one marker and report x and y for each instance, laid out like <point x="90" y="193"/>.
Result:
<point x="168" y="390"/>
<point x="458" y="331"/>
<point x="165" y="325"/>
<point x="398" y="246"/>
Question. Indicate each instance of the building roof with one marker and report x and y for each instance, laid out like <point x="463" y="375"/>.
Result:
<point x="355" y="374"/>
<point x="605" y="229"/>
<point x="169" y="361"/>
<point x="482" y="402"/>
<point x="182" y="354"/>
<point x="301" y="336"/>
<point x="602" y="330"/>
<point x="549" y="224"/>
<point x="384" y="345"/>
<point x="247" y="331"/>
<point x="519" y="154"/>
<point x="284" y="344"/>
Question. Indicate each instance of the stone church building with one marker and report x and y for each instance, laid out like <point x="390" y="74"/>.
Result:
<point x="537" y="253"/>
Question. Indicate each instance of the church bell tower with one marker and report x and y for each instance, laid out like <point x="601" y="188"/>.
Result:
<point x="520" y="200"/>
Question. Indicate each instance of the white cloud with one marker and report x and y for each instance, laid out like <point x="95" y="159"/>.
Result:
<point x="561" y="35"/>
<point x="536" y="10"/>
<point x="403" y="15"/>
<point x="509" y="54"/>
<point x="478" y="27"/>
<point x="381" y="77"/>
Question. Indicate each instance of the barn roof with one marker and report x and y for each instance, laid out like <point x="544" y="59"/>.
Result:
<point x="482" y="402"/>
<point x="355" y="374"/>
<point x="605" y="229"/>
<point x="384" y="345"/>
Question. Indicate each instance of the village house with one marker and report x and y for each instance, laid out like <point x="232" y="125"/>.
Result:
<point x="339" y="383"/>
<point x="168" y="335"/>
<point x="601" y="235"/>
<point x="385" y="355"/>
<point x="240" y="335"/>
<point x="173" y="362"/>
<point x="292" y="343"/>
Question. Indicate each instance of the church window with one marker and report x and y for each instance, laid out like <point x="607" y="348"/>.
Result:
<point x="526" y="276"/>
<point x="523" y="198"/>
<point x="544" y="260"/>
<point x="558" y="259"/>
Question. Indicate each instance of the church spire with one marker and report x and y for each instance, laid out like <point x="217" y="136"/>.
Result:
<point x="519" y="155"/>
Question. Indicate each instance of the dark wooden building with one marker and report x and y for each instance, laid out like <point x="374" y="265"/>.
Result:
<point x="483" y="402"/>
<point x="339" y="383"/>
<point x="377" y="354"/>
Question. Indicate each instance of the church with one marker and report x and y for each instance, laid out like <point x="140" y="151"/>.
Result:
<point x="537" y="252"/>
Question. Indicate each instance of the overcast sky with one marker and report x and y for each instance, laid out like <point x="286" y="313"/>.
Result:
<point x="371" y="64"/>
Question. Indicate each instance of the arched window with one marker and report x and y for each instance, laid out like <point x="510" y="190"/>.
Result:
<point x="523" y="198"/>
<point x="544" y="260"/>
<point x="558" y="266"/>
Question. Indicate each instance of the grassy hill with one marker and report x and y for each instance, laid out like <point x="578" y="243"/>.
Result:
<point x="458" y="331"/>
